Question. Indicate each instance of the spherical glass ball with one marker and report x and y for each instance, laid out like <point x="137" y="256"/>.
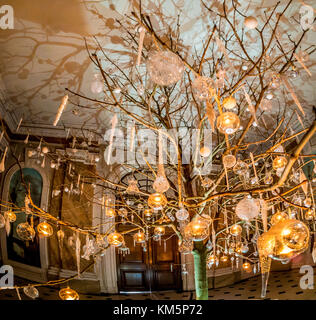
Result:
<point x="203" y="88"/>
<point x="309" y="214"/>
<point x="115" y="239"/>
<point x="44" y="229"/>
<point x="182" y="214"/>
<point x="251" y="22"/>
<point x="228" y="122"/>
<point x="31" y="292"/>
<point x="161" y="184"/>
<point x="223" y="259"/>
<point x="240" y="168"/>
<point x="148" y="213"/>
<point x="68" y="294"/>
<point x="247" y="267"/>
<point x="45" y="150"/>
<point x="2" y="221"/>
<point x="196" y="230"/>
<point x="159" y="231"/>
<point x="10" y="215"/>
<point x="211" y="260"/>
<point x="205" y="151"/>
<point x="235" y="230"/>
<point x="268" y="179"/>
<point x="157" y="201"/>
<point x="109" y="212"/>
<point x="229" y="161"/>
<point x="279" y="162"/>
<point x="244" y="248"/>
<point x="25" y="231"/>
<point x="139" y="237"/>
<point x="229" y="103"/>
<point x="295" y="235"/>
<point x="164" y="68"/>
<point x="278" y="217"/>
<point x="247" y="209"/>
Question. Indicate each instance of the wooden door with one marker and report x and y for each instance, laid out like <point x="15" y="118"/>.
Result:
<point x="150" y="270"/>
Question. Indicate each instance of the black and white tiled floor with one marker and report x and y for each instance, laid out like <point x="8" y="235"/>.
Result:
<point x="282" y="286"/>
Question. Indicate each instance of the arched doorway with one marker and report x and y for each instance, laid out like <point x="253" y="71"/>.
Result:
<point x="156" y="267"/>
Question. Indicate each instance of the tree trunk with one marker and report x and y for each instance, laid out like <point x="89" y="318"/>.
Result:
<point x="201" y="283"/>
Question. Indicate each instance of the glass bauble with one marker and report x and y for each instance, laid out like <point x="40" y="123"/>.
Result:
<point x="157" y="201"/>
<point x="279" y="162"/>
<point x="247" y="209"/>
<point x="164" y="67"/>
<point x="278" y="217"/>
<point x="182" y="214"/>
<point x="44" y="229"/>
<point x="205" y="151"/>
<point x="229" y="103"/>
<point x="203" y="88"/>
<point x="132" y="186"/>
<point x="229" y="161"/>
<point x="240" y="168"/>
<point x="196" y="230"/>
<point x="235" y="230"/>
<point x="211" y="260"/>
<point x="31" y="292"/>
<point x="139" y="237"/>
<point x="25" y="231"/>
<point x="68" y="294"/>
<point x="247" y="267"/>
<point x="115" y="239"/>
<point x="224" y="259"/>
<point x="148" y="213"/>
<point x="159" y="231"/>
<point x="309" y="214"/>
<point x="295" y="235"/>
<point x="123" y="212"/>
<point x="228" y="122"/>
<point x="251" y="22"/>
<point x="161" y="184"/>
<point x="10" y="215"/>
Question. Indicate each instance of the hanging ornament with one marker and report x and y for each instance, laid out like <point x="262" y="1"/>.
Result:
<point x="235" y="230"/>
<point x="164" y="68"/>
<point x="211" y="260"/>
<point x="247" y="209"/>
<point x="309" y="214"/>
<point x="196" y="230"/>
<point x="60" y="109"/>
<point x="157" y="201"/>
<point x="31" y="292"/>
<point x="78" y="249"/>
<point x="10" y="215"/>
<point x="96" y="84"/>
<point x="141" y="31"/>
<point x="203" y="88"/>
<point x="229" y="103"/>
<point x="229" y="161"/>
<point x="240" y="168"/>
<point x="132" y="187"/>
<point x="25" y="231"/>
<point x="228" y="123"/>
<point x="148" y="213"/>
<point x="60" y="237"/>
<point x="139" y="237"/>
<point x="115" y="239"/>
<point x="2" y="166"/>
<point x="123" y="250"/>
<point x="279" y="162"/>
<point x="159" y="231"/>
<point x="205" y="151"/>
<point x="182" y="214"/>
<point x="45" y="150"/>
<point x="68" y="294"/>
<point x="26" y="141"/>
<point x="278" y="217"/>
<point x="247" y="267"/>
<point x="110" y="147"/>
<point x="45" y="230"/>
<point x="251" y="23"/>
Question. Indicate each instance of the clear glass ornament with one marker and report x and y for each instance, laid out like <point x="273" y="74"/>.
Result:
<point x="211" y="260"/>
<point x="68" y="294"/>
<point x="279" y="162"/>
<point x="203" y="88"/>
<point x="240" y="168"/>
<point x="10" y="215"/>
<point x="251" y="22"/>
<point x="224" y="259"/>
<point x="229" y="103"/>
<point x="247" y="267"/>
<point x="159" y="231"/>
<point x="196" y="230"/>
<point x="235" y="230"/>
<point x="268" y="179"/>
<point x="45" y="230"/>
<point x="164" y="67"/>
<point x="157" y="201"/>
<point x="205" y="151"/>
<point x="140" y="89"/>
<point x="278" y="217"/>
<point x="31" y="292"/>
<point x="96" y="84"/>
<point x="228" y="122"/>
<point x="161" y="184"/>
<point x="309" y="214"/>
<point x="25" y="231"/>
<point x="132" y="186"/>
<point x="123" y="212"/>
<point x="139" y="237"/>
<point x="115" y="239"/>
<point x="307" y="202"/>
<point x="182" y="214"/>
<point x="229" y="161"/>
<point x="244" y="249"/>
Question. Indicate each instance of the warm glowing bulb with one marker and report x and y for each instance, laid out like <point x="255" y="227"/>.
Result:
<point x="157" y="201"/>
<point x="68" y="294"/>
<point x="45" y="230"/>
<point x="115" y="239"/>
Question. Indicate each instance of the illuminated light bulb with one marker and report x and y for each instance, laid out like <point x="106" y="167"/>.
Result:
<point x="247" y="267"/>
<point x="157" y="201"/>
<point x="309" y="214"/>
<point x="229" y="103"/>
<point x="228" y="122"/>
<point x="159" y="231"/>
<point x="148" y="213"/>
<point x="139" y="237"/>
<point x="247" y="209"/>
<point x="44" y="229"/>
<point x="68" y="294"/>
<point x="251" y="22"/>
<point x="196" y="230"/>
<point x="205" y="151"/>
<point x="10" y="215"/>
<point x="182" y="214"/>
<point x="229" y="161"/>
<point x="279" y="162"/>
<point x="295" y="235"/>
<point x="110" y="212"/>
<point x="235" y="230"/>
<point x="211" y="260"/>
<point x="115" y="239"/>
<point x="224" y="259"/>
<point x="45" y="150"/>
<point x="278" y="217"/>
